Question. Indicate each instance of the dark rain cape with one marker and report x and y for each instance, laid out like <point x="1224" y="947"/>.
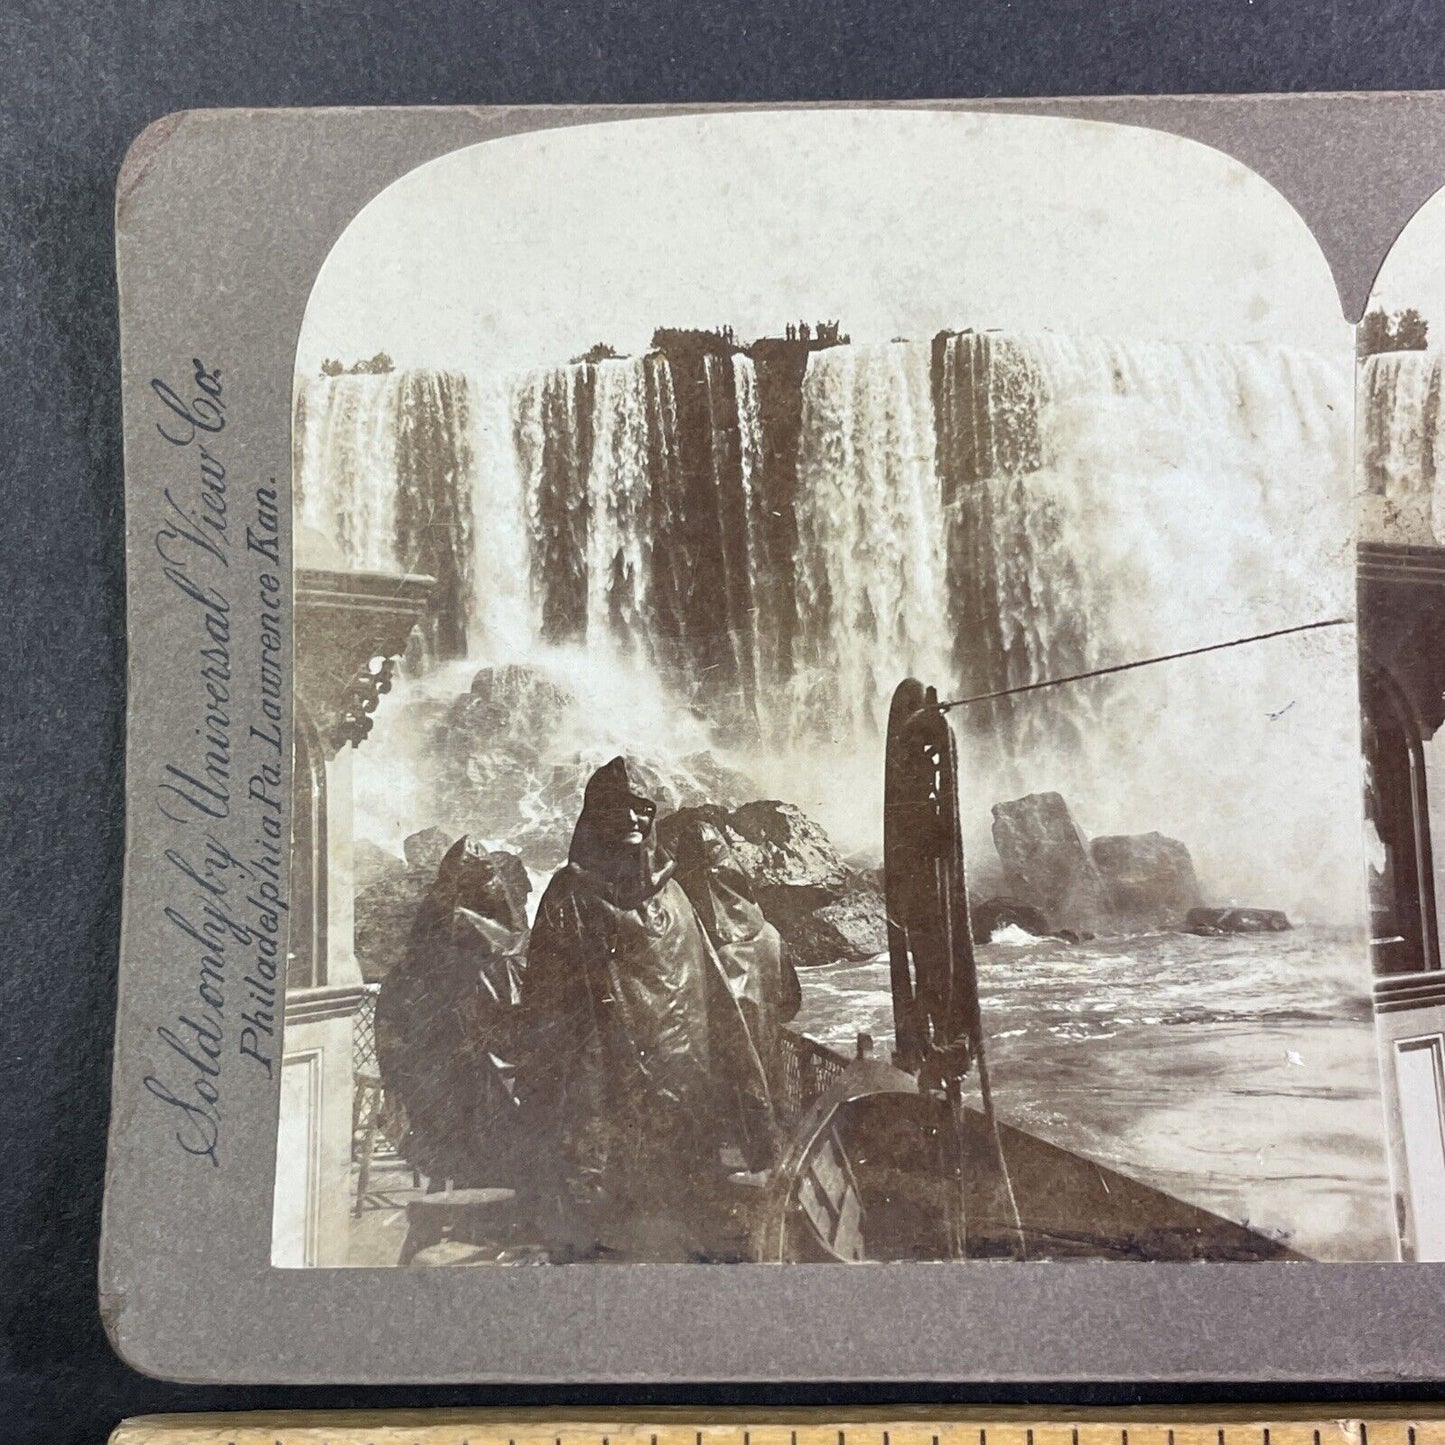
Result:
<point x="445" y="1016"/>
<point x="759" y="973"/>
<point x="641" y="1067"/>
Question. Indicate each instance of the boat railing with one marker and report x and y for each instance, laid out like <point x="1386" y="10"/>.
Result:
<point x="807" y="1069"/>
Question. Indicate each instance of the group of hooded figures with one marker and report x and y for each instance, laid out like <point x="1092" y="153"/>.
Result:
<point x="616" y="1066"/>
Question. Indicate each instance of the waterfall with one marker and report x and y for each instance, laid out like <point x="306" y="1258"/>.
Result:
<point x="346" y="475"/>
<point x="870" y="576"/>
<point x="640" y="484"/>
<point x="1112" y="500"/>
<point x="748" y="550"/>
<point x="1402" y="447"/>
<point x="552" y="413"/>
<point x="384" y="473"/>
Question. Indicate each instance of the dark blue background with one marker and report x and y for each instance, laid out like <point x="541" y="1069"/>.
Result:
<point x="77" y="82"/>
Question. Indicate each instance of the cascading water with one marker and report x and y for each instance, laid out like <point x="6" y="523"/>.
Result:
<point x="638" y="479"/>
<point x="1402" y="447"/>
<point x="1108" y="501"/>
<point x="346" y="476"/>
<point x="384" y="472"/>
<point x="709" y="546"/>
<point x="871" y="581"/>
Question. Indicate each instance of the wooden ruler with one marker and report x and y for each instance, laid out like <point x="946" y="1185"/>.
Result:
<point x="1163" y="1426"/>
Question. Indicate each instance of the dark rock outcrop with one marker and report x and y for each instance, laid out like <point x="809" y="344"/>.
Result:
<point x="825" y="912"/>
<point x="995" y="913"/>
<point x="1046" y="862"/>
<point x="389" y="892"/>
<point x="851" y="929"/>
<point x="1235" y="920"/>
<point x="1149" y="878"/>
<point x="426" y="849"/>
<point x="780" y="847"/>
<point x="371" y="864"/>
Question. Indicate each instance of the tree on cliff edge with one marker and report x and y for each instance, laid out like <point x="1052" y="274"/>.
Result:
<point x="377" y="365"/>
<point x="1379" y="331"/>
<point x="598" y="351"/>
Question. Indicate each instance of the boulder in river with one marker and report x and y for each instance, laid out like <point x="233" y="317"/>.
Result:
<point x="825" y="912"/>
<point x="851" y="929"/>
<point x="425" y="850"/>
<point x="1150" y="879"/>
<point x="1046" y="862"/>
<point x="1209" y="921"/>
<point x="996" y="913"/>
<point x="782" y="849"/>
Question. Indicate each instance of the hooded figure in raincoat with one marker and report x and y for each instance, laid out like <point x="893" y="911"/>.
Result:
<point x="443" y="1039"/>
<point x="753" y="958"/>
<point x="641" y="1068"/>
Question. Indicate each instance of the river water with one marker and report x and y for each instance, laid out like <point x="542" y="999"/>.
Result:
<point x="1238" y="1073"/>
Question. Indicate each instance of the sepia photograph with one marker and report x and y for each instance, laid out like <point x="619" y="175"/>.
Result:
<point x="1400" y="349"/>
<point x="828" y="712"/>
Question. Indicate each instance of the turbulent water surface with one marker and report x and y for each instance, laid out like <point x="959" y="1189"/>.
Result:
<point x="1238" y="1073"/>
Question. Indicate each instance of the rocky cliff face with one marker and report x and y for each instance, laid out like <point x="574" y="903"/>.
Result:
<point x="1046" y="862"/>
<point x="390" y="890"/>
<point x="1149" y="878"/>
<point x="825" y="912"/>
<point x="1121" y="883"/>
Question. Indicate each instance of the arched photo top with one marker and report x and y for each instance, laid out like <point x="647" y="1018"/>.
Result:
<point x="1412" y="275"/>
<point x="532" y="248"/>
<point x="1401" y="345"/>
